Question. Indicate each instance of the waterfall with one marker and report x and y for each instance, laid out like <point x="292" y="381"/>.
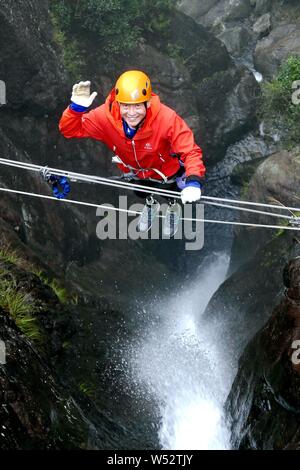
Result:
<point x="175" y="361"/>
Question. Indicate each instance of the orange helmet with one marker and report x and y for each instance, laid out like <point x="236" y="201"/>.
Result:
<point x="133" y="87"/>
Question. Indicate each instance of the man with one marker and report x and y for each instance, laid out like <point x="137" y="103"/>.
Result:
<point x="151" y="143"/>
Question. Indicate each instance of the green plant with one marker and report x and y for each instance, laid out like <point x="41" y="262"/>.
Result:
<point x="277" y="107"/>
<point x="75" y="299"/>
<point x="70" y="48"/>
<point x="284" y="223"/>
<point x="88" y="389"/>
<point x="20" y="307"/>
<point x="115" y="24"/>
<point x="9" y="256"/>
<point x="244" y="190"/>
<point x="175" y="52"/>
<point x="59" y="291"/>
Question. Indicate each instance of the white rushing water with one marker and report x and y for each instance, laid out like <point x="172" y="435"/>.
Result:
<point x="179" y="365"/>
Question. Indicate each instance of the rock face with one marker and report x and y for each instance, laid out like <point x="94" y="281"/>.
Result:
<point x="28" y="62"/>
<point x="244" y="302"/>
<point x="271" y="51"/>
<point x="37" y="411"/>
<point x="216" y="97"/>
<point x="229" y="100"/>
<point x="263" y="25"/>
<point x="236" y="39"/>
<point x="268" y="30"/>
<point x="214" y="13"/>
<point x="275" y="181"/>
<point x="58" y="391"/>
<point x="264" y="402"/>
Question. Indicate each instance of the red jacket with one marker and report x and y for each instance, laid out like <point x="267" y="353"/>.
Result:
<point x="149" y="153"/>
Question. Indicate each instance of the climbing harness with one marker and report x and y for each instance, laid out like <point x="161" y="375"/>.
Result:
<point x="59" y="181"/>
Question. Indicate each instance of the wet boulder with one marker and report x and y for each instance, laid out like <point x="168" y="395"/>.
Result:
<point x="264" y="402"/>
<point x="272" y="50"/>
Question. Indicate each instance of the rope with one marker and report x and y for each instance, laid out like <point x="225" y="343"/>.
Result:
<point x="142" y="188"/>
<point x="71" y="201"/>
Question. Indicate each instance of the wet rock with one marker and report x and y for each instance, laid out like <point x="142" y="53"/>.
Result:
<point x="271" y="51"/>
<point x="26" y="39"/>
<point x="235" y="39"/>
<point x="274" y="182"/>
<point x="263" y="25"/>
<point x="237" y="9"/>
<point x="48" y="387"/>
<point x="36" y="412"/>
<point x="244" y="302"/>
<point x="229" y="100"/>
<point x="196" y="9"/>
<point x="264" y="403"/>
<point x="214" y="13"/>
<point x="262" y="6"/>
<point x="243" y="172"/>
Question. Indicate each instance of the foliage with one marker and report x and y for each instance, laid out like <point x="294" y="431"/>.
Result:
<point x="175" y="51"/>
<point x="88" y="389"/>
<point x="244" y="190"/>
<point x="59" y="291"/>
<point x="285" y="223"/>
<point x="9" y="256"/>
<point x="118" y="25"/>
<point x="277" y="107"/>
<point x="20" y="307"/>
<point x="70" y="49"/>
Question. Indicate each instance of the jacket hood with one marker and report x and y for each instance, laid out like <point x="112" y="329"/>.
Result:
<point x="112" y="110"/>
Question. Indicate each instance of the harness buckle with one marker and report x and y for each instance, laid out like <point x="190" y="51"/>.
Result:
<point x="295" y="221"/>
<point x="45" y="174"/>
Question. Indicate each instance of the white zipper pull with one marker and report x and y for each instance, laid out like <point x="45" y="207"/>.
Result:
<point x="135" y="155"/>
<point x="134" y="151"/>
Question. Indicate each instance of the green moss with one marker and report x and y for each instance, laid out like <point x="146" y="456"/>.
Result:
<point x="9" y="256"/>
<point x="175" y="51"/>
<point x="71" y="55"/>
<point x="57" y="288"/>
<point x="244" y="190"/>
<point x="116" y="25"/>
<point x="60" y="291"/>
<point x="87" y="389"/>
<point x="284" y="223"/>
<point x="75" y="299"/>
<point x="277" y="108"/>
<point x="20" y="307"/>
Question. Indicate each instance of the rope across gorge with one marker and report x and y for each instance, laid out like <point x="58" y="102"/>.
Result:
<point x="59" y="181"/>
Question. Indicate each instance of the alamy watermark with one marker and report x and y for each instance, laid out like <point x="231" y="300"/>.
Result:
<point x="2" y="352"/>
<point x="2" y="93"/>
<point x="116" y="223"/>
<point x="296" y="94"/>
<point x="296" y="354"/>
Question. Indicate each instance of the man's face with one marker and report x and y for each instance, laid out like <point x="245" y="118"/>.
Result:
<point x="133" y="114"/>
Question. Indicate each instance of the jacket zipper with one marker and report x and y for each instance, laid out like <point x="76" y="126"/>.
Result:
<point x="135" y="155"/>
